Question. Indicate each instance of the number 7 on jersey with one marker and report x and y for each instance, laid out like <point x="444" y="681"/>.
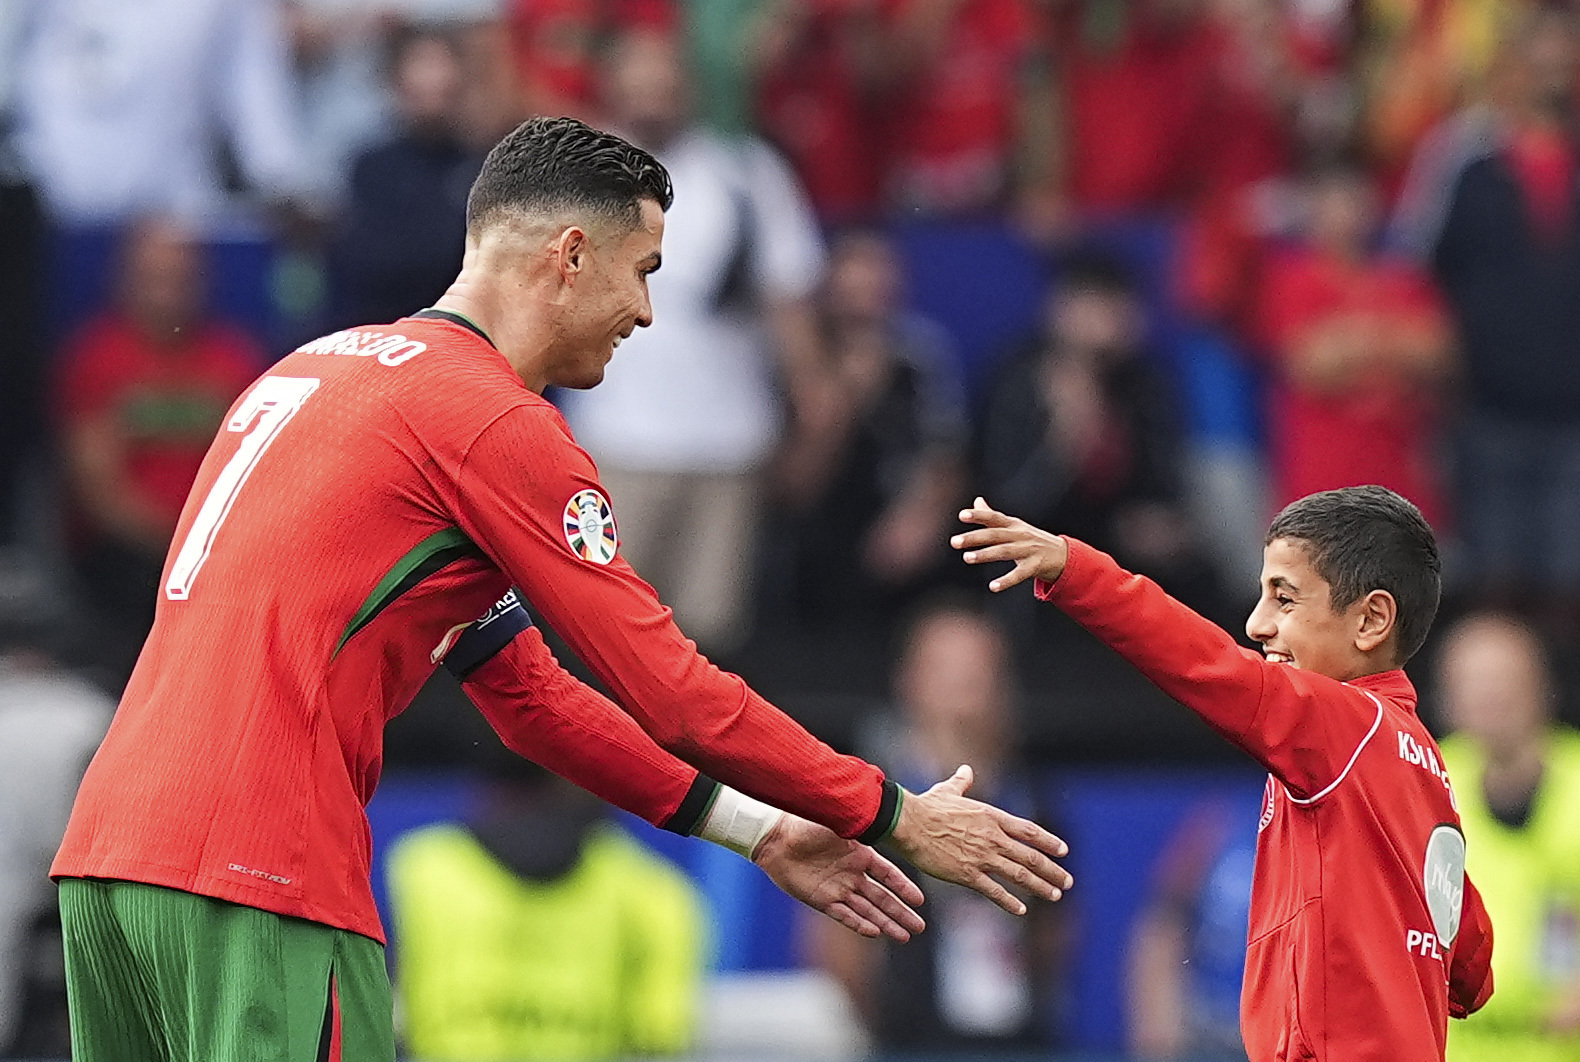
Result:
<point x="273" y="401"/>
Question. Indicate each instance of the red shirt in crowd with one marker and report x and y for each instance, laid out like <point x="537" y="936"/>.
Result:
<point x="1137" y="112"/>
<point x="813" y="106"/>
<point x="556" y="47"/>
<point x="952" y="123"/>
<point x="166" y="401"/>
<point x="1365" y="932"/>
<point x="1380" y="426"/>
<point x="366" y="501"/>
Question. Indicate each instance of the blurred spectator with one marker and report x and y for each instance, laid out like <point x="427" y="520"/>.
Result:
<point x="819" y="66"/>
<point x="1187" y="955"/>
<point x="340" y="55"/>
<point x="1517" y="781"/>
<point x="1417" y="62"/>
<point x="554" y="45"/>
<point x="404" y="228"/>
<point x="871" y="471"/>
<point x="1361" y="348"/>
<point x="142" y="390"/>
<point x="976" y="980"/>
<point x="119" y="105"/>
<point x="344" y="105"/>
<point x="22" y="423"/>
<point x="1079" y="432"/>
<point x="687" y="414"/>
<point x="539" y="930"/>
<point x="959" y="77"/>
<point x="1137" y="82"/>
<point x="1491" y="206"/>
<point x="50" y="723"/>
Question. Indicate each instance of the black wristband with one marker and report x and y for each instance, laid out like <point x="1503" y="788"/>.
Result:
<point x="888" y="816"/>
<point x="695" y="806"/>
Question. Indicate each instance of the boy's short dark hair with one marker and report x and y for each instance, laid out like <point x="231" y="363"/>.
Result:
<point x="548" y="164"/>
<point x="1362" y="539"/>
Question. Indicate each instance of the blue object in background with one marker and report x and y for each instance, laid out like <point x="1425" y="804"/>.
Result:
<point x="82" y="262"/>
<point x="979" y="281"/>
<point x="1117" y="822"/>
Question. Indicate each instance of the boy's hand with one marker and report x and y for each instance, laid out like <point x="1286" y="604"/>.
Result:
<point x="1036" y="553"/>
<point x="949" y="835"/>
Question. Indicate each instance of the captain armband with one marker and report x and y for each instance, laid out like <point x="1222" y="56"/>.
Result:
<point x="482" y="639"/>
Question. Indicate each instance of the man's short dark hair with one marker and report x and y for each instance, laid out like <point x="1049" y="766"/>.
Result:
<point x="1362" y="539"/>
<point x="550" y="164"/>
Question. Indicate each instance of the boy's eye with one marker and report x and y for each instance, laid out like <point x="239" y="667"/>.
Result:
<point x="1284" y="600"/>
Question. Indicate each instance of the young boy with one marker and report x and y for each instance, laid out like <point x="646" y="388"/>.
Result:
<point x="1365" y="933"/>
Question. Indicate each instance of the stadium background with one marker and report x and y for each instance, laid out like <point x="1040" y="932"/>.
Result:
<point x="963" y="166"/>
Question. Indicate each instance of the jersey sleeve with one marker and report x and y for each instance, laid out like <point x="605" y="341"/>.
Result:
<point x="542" y="712"/>
<point x="1470" y="962"/>
<point x="518" y="494"/>
<point x="1305" y="728"/>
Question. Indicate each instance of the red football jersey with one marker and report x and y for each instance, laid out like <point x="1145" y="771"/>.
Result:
<point x="1365" y="932"/>
<point x="366" y="501"/>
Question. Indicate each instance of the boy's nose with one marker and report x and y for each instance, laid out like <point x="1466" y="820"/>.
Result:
<point x="1259" y="626"/>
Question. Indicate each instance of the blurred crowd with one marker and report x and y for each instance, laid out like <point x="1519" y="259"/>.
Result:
<point x="1250" y="249"/>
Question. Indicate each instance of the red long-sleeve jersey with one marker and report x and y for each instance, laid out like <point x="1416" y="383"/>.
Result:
<point x="367" y="500"/>
<point x="1365" y="933"/>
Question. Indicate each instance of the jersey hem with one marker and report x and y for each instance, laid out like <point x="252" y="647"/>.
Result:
<point x="216" y="889"/>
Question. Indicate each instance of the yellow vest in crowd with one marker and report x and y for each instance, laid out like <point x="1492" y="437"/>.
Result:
<point x="602" y="963"/>
<point x="1530" y="880"/>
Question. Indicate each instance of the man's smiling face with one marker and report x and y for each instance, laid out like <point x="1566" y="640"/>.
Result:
<point x="1295" y="621"/>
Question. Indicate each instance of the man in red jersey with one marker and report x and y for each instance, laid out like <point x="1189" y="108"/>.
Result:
<point x="366" y="501"/>
<point x="1365" y="933"/>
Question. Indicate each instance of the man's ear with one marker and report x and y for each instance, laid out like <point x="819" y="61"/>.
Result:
<point x="1376" y="617"/>
<point x="570" y="252"/>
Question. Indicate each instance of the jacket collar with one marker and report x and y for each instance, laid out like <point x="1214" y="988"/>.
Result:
<point x="1395" y="685"/>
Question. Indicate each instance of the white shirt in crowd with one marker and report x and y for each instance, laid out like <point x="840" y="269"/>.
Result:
<point x="121" y="105"/>
<point x="695" y="392"/>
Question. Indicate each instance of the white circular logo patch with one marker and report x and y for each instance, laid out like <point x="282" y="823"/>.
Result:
<point x="1444" y="877"/>
<point x="589" y="527"/>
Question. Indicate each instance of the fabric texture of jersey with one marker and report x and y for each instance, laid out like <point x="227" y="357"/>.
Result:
<point x="1365" y="931"/>
<point x="366" y="501"/>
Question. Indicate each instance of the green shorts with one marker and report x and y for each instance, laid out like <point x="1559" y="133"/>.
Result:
<point x="160" y="975"/>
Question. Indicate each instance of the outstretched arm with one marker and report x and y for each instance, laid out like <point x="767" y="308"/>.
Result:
<point x="1301" y="726"/>
<point x="531" y="499"/>
<point x="545" y="714"/>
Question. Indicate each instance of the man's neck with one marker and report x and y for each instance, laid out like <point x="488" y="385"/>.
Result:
<point x="517" y="335"/>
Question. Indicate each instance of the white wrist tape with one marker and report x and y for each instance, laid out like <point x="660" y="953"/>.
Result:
<point x="738" y="822"/>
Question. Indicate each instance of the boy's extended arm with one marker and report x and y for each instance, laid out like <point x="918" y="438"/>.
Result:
<point x="1470" y="961"/>
<point x="1304" y="727"/>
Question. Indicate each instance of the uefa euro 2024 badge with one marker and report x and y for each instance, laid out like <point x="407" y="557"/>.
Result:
<point x="589" y="527"/>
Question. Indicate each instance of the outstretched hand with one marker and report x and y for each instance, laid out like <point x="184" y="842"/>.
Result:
<point x="846" y="880"/>
<point x="1036" y="553"/>
<point x="951" y="836"/>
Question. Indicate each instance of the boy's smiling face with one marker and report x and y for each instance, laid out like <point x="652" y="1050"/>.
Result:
<point x="1296" y="623"/>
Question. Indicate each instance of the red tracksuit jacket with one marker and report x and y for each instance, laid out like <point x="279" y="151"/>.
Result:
<point x="1365" y="932"/>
